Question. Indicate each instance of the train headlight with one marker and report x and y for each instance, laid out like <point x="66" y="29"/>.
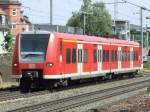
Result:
<point x="50" y="64"/>
<point x="15" y="64"/>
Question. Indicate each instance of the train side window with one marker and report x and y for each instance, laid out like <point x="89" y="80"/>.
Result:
<point x="95" y="56"/>
<point x="119" y="55"/>
<point x="116" y="56"/>
<point x="85" y="56"/>
<point x="107" y="55"/>
<point x="80" y="55"/>
<point x="60" y="46"/>
<point x="131" y="55"/>
<point x="68" y="55"/>
<point x="73" y="55"/>
<point x="99" y="55"/>
<point x="136" y="56"/>
<point x="104" y="56"/>
<point x="112" y="56"/>
<point x="128" y="56"/>
<point x="125" y="53"/>
<point x="123" y="56"/>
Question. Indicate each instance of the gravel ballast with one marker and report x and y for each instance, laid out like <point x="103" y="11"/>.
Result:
<point x="22" y="102"/>
<point x="138" y="103"/>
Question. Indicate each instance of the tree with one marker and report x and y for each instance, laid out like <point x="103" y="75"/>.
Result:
<point x="8" y="42"/>
<point x="99" y="23"/>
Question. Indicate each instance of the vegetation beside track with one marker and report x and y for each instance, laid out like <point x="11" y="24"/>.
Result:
<point x="146" y="68"/>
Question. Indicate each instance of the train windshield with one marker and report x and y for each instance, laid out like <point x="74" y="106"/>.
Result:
<point x="33" y="47"/>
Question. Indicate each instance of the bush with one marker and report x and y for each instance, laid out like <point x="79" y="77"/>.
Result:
<point x="8" y="42"/>
<point x="146" y="67"/>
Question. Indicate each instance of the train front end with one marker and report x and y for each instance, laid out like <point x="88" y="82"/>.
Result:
<point x="29" y="58"/>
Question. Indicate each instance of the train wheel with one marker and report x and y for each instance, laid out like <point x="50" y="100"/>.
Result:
<point x="131" y="75"/>
<point x="25" y="84"/>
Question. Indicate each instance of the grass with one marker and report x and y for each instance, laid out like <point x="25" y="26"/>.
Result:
<point x="146" y="67"/>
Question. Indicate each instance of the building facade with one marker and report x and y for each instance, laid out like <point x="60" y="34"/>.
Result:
<point x="122" y="28"/>
<point x="3" y="29"/>
<point x="57" y="28"/>
<point x="14" y="14"/>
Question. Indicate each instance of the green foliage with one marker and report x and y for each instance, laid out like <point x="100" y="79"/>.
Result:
<point x="8" y="42"/>
<point x="146" y="67"/>
<point x="99" y="23"/>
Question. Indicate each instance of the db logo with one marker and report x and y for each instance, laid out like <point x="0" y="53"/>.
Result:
<point x="31" y="65"/>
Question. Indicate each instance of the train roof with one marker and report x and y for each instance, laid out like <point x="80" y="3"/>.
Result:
<point x="94" y="39"/>
<point x="36" y="32"/>
<point x="84" y="38"/>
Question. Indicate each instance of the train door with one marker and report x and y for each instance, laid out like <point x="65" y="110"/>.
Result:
<point x="106" y="58"/>
<point x="99" y="58"/>
<point x="94" y="59"/>
<point x="119" y="58"/>
<point x="80" y="59"/>
<point x="86" y="58"/>
<point x="114" y="58"/>
<point x="69" y="57"/>
<point x="136" y="62"/>
<point x="131" y="57"/>
<point x="125" y="63"/>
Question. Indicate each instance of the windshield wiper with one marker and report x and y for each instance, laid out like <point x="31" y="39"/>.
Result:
<point x="27" y="55"/>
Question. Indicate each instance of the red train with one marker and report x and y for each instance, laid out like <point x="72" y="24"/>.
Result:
<point x="46" y="58"/>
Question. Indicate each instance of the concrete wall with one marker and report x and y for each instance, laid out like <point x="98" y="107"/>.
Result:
<point x="5" y="67"/>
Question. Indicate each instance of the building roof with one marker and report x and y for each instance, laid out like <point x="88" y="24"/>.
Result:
<point x="15" y="2"/>
<point x="2" y="12"/>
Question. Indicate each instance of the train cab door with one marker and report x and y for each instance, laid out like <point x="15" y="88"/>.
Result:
<point x="119" y="58"/>
<point x="131" y="57"/>
<point x="99" y="58"/>
<point x="80" y="59"/>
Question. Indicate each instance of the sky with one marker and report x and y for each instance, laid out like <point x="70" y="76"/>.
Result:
<point x="38" y="11"/>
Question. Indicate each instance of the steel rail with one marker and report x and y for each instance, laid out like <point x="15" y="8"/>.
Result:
<point x="13" y="93"/>
<point x="83" y="99"/>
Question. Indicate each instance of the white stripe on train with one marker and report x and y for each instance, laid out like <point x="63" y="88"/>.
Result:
<point x="74" y="76"/>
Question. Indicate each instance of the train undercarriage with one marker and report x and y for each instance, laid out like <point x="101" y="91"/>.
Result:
<point x="33" y="80"/>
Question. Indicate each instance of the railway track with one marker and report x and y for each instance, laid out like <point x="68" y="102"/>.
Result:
<point x="14" y="93"/>
<point x="84" y="99"/>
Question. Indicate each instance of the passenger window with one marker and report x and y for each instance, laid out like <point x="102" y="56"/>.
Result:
<point x="128" y="56"/>
<point x="99" y="55"/>
<point x="85" y="57"/>
<point x="60" y="46"/>
<point x="68" y="55"/>
<point x="107" y="55"/>
<point x="136" y="56"/>
<point x="112" y="56"/>
<point x="73" y="55"/>
<point x="80" y="55"/>
<point x="104" y="56"/>
<point x="120" y="55"/>
<point x="131" y="55"/>
<point x="123" y="56"/>
<point x="95" y="56"/>
<point x="116" y="56"/>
